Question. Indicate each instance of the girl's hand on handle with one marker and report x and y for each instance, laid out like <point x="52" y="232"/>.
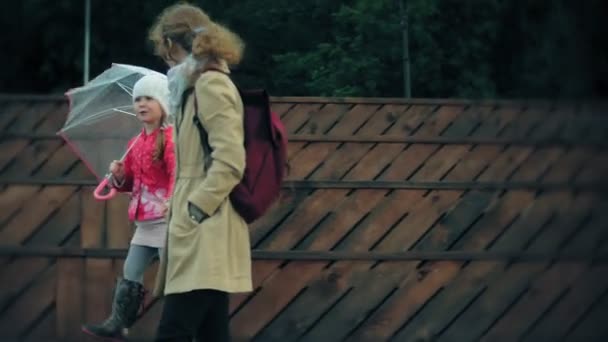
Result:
<point x="117" y="168"/>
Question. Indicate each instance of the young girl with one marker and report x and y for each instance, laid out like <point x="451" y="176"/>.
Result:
<point x="208" y="254"/>
<point x="148" y="173"/>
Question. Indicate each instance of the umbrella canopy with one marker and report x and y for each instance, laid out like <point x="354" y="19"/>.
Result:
<point x="102" y="119"/>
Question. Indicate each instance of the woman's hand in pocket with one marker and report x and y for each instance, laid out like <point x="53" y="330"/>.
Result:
<point x="196" y="214"/>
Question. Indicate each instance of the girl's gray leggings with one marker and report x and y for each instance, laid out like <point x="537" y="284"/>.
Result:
<point x="138" y="259"/>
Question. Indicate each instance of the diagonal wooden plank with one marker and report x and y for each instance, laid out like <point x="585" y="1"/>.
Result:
<point x="540" y="159"/>
<point x="596" y="167"/>
<point x="312" y="156"/>
<point x="593" y="326"/>
<point x="506" y="163"/>
<point x="411" y="158"/>
<point x="382" y="154"/>
<point x="421" y="325"/>
<point x="542" y="291"/>
<point x="17" y="197"/>
<point x="275" y="292"/>
<point x="11" y="110"/>
<point x="19" y="273"/>
<point x="509" y="287"/>
<point x="337" y="171"/>
<point x="366" y="171"/>
<point x="438" y="165"/>
<point x="435" y="157"/>
<point x="44" y="330"/>
<point x="322" y="121"/>
<point x="293" y="147"/>
<point x="440" y="119"/>
<point x="53" y="119"/>
<point x="474" y="159"/>
<point x="467" y="122"/>
<point x="298" y="116"/>
<point x="60" y="225"/>
<point x="486" y="232"/>
<point x="495" y="122"/>
<point x="558" y="123"/>
<point x="408" y="123"/>
<point x="439" y="311"/>
<point x="17" y="276"/>
<point x="32" y="303"/>
<point x="354" y="120"/>
<point x="312" y="211"/>
<point x="338" y="157"/>
<point x="504" y="289"/>
<point x="348" y="313"/>
<point x="569" y="164"/>
<point x="346" y="155"/>
<point x="287" y="276"/>
<point x="301" y="166"/>
<point x="281" y="109"/>
<point x="30" y="158"/>
<point x="309" y="159"/>
<point x="474" y="162"/>
<point x="339" y="223"/>
<point x="403" y="234"/>
<point x="526" y="121"/>
<point x="261" y="270"/>
<point x="59" y="162"/>
<point x="13" y="198"/>
<point x="418" y="288"/>
<point x="417" y="226"/>
<point x="289" y="200"/>
<point x="374" y="162"/>
<point x="34" y="213"/>
<point x="546" y="289"/>
<point x="34" y="116"/>
<point x="594" y="130"/>
<point x="577" y="129"/>
<point x="582" y="295"/>
<point x="10" y="150"/>
<point x="387" y="117"/>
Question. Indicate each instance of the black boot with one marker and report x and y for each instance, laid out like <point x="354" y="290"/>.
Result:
<point x="128" y="297"/>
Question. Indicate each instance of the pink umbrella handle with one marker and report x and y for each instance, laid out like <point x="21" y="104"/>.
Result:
<point x="101" y="187"/>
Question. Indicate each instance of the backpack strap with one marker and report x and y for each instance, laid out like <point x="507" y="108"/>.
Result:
<point x="199" y="125"/>
<point x="202" y="133"/>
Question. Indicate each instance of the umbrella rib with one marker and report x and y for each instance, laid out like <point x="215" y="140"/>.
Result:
<point x="127" y="89"/>
<point x="94" y="117"/>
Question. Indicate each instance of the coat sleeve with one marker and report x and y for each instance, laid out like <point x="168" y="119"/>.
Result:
<point x="169" y="159"/>
<point x="127" y="183"/>
<point x="218" y="101"/>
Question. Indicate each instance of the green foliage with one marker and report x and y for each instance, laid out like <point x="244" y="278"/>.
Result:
<point x="473" y="48"/>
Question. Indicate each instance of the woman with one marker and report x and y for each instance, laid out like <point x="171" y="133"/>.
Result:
<point x="208" y="251"/>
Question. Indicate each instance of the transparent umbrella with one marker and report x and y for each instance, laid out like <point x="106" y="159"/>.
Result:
<point x="102" y="120"/>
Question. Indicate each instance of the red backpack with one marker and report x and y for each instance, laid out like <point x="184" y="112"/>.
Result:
<point x="266" y="155"/>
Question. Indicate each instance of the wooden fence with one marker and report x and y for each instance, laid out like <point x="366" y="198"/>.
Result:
<point x="419" y="220"/>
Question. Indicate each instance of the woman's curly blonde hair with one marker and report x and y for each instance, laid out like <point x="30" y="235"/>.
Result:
<point x="191" y="27"/>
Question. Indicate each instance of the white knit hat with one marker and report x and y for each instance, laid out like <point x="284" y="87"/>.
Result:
<point x="154" y="86"/>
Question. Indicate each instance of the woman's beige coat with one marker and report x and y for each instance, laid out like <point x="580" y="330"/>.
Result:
<point x="214" y="254"/>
